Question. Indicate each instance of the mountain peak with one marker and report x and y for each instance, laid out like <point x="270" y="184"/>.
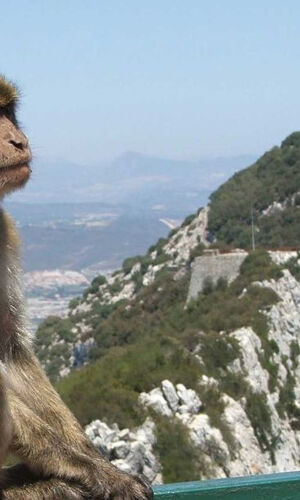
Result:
<point x="292" y="140"/>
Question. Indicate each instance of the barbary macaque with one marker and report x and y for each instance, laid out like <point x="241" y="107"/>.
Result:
<point x="57" y="460"/>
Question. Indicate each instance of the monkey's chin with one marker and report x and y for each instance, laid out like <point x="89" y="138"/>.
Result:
<point x="13" y="178"/>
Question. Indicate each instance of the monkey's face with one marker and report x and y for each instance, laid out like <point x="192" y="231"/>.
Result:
<point x="15" y="154"/>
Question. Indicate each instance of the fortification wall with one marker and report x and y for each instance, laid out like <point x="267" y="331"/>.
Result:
<point x="214" y="267"/>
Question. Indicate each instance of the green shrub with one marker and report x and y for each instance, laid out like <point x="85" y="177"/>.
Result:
<point x="188" y="220"/>
<point x="197" y="251"/>
<point x="258" y="266"/>
<point x="74" y="302"/>
<point x="178" y="456"/>
<point x="137" y="278"/>
<point x="96" y="283"/>
<point x="260" y="417"/>
<point x="115" y="287"/>
<point x="214" y="406"/>
<point x="208" y="286"/>
<point x="129" y="263"/>
<point x="293" y="266"/>
<point x="218" y="351"/>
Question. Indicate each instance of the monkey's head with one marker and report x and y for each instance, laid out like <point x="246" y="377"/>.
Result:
<point x="15" y="154"/>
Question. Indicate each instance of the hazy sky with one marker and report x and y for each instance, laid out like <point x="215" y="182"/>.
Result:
<point x="183" y="79"/>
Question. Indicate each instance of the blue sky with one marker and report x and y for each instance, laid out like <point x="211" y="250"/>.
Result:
<point x="180" y="79"/>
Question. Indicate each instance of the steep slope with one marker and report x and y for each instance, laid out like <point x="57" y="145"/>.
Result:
<point x="63" y="344"/>
<point x="236" y="346"/>
<point x="270" y="190"/>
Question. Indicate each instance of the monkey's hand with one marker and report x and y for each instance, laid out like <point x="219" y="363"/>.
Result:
<point x="106" y="482"/>
<point x="138" y="488"/>
<point x="131" y="488"/>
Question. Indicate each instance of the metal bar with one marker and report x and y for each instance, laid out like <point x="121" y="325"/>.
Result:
<point x="285" y="486"/>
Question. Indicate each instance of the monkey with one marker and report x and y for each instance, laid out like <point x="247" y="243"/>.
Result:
<point x="57" y="460"/>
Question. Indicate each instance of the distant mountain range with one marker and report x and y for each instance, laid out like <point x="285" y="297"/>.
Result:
<point x="133" y="179"/>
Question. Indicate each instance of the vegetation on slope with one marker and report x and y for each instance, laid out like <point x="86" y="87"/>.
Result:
<point x="155" y="338"/>
<point x="274" y="178"/>
<point x="178" y="457"/>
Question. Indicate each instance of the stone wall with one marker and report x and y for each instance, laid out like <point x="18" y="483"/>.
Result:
<point x="214" y="266"/>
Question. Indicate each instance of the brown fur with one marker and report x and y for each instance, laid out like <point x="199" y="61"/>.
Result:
<point x="5" y="421"/>
<point x="59" y="462"/>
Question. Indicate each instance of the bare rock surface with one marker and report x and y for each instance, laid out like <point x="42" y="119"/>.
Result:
<point x="130" y="450"/>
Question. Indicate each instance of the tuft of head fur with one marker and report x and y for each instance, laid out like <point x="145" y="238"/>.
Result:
<point x="8" y="92"/>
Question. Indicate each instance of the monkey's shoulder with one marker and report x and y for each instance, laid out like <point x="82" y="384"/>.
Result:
<point x="9" y="236"/>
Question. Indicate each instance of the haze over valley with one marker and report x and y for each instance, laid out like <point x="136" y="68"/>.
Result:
<point x="88" y="219"/>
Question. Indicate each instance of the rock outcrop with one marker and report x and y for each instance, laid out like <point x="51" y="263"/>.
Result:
<point x="130" y="450"/>
<point x="168" y="400"/>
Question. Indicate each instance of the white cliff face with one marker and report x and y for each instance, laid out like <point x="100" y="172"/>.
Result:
<point x="188" y="237"/>
<point x="248" y="364"/>
<point x="129" y="450"/>
<point x="284" y="317"/>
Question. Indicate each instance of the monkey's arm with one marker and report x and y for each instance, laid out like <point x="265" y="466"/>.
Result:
<point x="50" y="440"/>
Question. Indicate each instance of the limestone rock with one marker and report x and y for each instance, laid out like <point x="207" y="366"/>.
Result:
<point x="155" y="400"/>
<point x="131" y="451"/>
<point x="188" y="398"/>
<point x="167" y="400"/>
<point x="170" y="394"/>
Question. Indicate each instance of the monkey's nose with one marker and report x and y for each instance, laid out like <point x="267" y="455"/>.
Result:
<point x="19" y="143"/>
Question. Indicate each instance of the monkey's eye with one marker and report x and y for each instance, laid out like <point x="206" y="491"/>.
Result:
<point x="9" y="112"/>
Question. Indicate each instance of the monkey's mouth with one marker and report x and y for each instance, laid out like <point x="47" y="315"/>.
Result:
<point x="14" y="175"/>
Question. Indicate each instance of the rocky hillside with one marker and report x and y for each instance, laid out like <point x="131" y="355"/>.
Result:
<point x="63" y="344"/>
<point x="178" y="389"/>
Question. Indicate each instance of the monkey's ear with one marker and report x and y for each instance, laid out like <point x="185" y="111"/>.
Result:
<point x="8" y="93"/>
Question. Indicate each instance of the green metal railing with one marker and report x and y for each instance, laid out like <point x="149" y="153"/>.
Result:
<point x="284" y="486"/>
